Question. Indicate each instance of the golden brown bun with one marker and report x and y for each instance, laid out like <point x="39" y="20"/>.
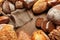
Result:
<point x="39" y="35"/>
<point x="7" y="32"/>
<point x="54" y="14"/>
<point x="39" y="6"/>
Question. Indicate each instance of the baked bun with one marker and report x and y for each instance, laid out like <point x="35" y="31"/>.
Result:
<point x="7" y="32"/>
<point x="39" y="7"/>
<point x="39" y="22"/>
<point x="39" y="35"/>
<point x="54" y="14"/>
<point x="47" y="26"/>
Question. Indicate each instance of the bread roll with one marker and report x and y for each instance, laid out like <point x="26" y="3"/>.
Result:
<point x="19" y="4"/>
<point x="39" y="7"/>
<point x="47" y="26"/>
<point x="39" y="22"/>
<point x="7" y="32"/>
<point x="4" y="20"/>
<point x="54" y="14"/>
<point x="8" y="7"/>
<point x="39" y="35"/>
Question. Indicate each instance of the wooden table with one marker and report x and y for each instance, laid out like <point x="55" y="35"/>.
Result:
<point x="30" y="26"/>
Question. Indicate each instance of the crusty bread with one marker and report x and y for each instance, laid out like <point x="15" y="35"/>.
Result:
<point x="7" y="32"/>
<point x="39" y="35"/>
<point x="39" y="6"/>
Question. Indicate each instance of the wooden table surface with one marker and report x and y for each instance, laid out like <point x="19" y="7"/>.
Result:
<point x="30" y="26"/>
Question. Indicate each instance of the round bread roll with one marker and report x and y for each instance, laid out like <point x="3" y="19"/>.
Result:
<point x="8" y="7"/>
<point x="39" y="6"/>
<point x="54" y="14"/>
<point x="7" y="32"/>
<point x="39" y="35"/>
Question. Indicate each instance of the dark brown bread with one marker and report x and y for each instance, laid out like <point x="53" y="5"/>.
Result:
<point x="47" y="26"/>
<point x="39" y="22"/>
<point x="4" y="19"/>
<point x="55" y="34"/>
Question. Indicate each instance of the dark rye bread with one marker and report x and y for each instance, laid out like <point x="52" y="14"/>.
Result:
<point x="47" y="26"/>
